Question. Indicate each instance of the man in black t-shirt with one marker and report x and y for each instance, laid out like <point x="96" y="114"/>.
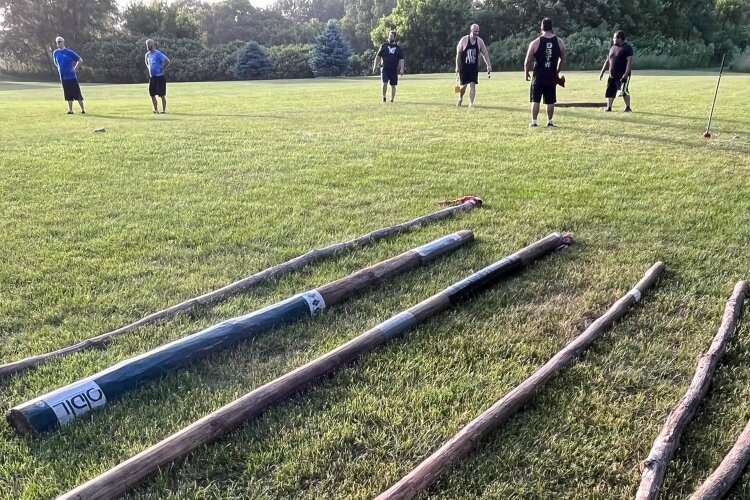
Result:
<point x="620" y="63"/>
<point x="392" y="59"/>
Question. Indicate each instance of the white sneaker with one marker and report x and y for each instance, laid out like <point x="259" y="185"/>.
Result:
<point x="471" y="105"/>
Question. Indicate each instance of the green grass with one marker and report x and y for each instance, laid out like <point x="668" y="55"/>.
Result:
<point x="101" y="229"/>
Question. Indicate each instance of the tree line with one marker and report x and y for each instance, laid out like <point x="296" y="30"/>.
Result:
<point x="232" y="39"/>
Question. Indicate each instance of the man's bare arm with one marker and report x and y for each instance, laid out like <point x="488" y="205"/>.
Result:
<point x="528" y="65"/>
<point x="459" y="49"/>
<point x="563" y="57"/>
<point x="376" y="63"/>
<point x="605" y="67"/>
<point x="485" y="54"/>
<point x="628" y="68"/>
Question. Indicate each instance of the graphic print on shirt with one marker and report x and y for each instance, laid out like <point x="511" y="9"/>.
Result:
<point x="391" y="50"/>
<point x="548" y="55"/>
<point x="471" y="56"/>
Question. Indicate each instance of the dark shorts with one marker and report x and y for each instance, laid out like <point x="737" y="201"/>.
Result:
<point x="72" y="90"/>
<point x="539" y="90"/>
<point x="389" y="76"/>
<point x="157" y="85"/>
<point x="614" y="86"/>
<point x="469" y="74"/>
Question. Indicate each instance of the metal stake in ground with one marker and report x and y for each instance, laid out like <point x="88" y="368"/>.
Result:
<point x="707" y="133"/>
<point x="63" y="405"/>
<point x="655" y="466"/>
<point x="227" y="291"/>
<point x="721" y="481"/>
<point x="467" y="438"/>
<point x="122" y="478"/>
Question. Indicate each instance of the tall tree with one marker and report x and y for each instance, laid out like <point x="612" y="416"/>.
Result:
<point x="157" y="17"/>
<point x="300" y="11"/>
<point x="429" y="31"/>
<point x="29" y="27"/>
<point x="232" y="20"/>
<point x="330" y="54"/>
<point x="361" y="18"/>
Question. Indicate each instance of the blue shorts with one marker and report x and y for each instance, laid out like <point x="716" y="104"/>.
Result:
<point x="389" y="76"/>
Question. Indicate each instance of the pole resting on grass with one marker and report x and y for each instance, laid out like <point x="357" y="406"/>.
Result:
<point x="63" y="405"/>
<point x="126" y="475"/>
<point x="654" y="467"/>
<point x="467" y="438"/>
<point x="731" y="468"/>
<point x="240" y="286"/>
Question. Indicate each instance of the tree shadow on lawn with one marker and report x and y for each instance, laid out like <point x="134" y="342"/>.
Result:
<point x="698" y="143"/>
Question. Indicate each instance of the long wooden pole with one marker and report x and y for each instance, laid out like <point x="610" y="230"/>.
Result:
<point x="237" y="287"/>
<point x="731" y="468"/>
<point x="70" y="402"/>
<point x="123" y="477"/>
<point x="655" y="466"/>
<point x="466" y="439"/>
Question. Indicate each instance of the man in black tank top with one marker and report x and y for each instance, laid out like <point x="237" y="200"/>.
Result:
<point x="467" y="63"/>
<point x="546" y="58"/>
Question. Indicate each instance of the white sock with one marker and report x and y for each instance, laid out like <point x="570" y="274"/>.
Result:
<point x="533" y="122"/>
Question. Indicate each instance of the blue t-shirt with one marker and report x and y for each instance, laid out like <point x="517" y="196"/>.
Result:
<point x="154" y="60"/>
<point x="65" y="59"/>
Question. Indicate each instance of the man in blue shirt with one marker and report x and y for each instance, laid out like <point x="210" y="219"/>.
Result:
<point x="68" y="63"/>
<point x="157" y="82"/>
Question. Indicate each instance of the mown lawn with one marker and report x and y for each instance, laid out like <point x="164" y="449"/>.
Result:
<point x="99" y="229"/>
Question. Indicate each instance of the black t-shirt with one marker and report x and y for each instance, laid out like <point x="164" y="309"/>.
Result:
<point x="546" y="59"/>
<point x="618" y="60"/>
<point x="391" y="55"/>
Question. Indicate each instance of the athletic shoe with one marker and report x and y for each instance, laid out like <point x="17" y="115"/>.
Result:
<point x="83" y="112"/>
<point x="627" y="110"/>
<point x="156" y="112"/>
<point x="70" y="112"/>
<point x="471" y="105"/>
<point x="608" y="110"/>
<point x="532" y="125"/>
<point x="383" y="99"/>
<point x="550" y="124"/>
<point x="459" y="103"/>
<point x="391" y="100"/>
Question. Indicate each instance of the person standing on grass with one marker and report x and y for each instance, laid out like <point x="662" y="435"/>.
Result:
<point x="390" y="59"/>
<point x="546" y="59"/>
<point x="467" y="63"/>
<point x="68" y="63"/>
<point x="157" y="81"/>
<point x="620" y="63"/>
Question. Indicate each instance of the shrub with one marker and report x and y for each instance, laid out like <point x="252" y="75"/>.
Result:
<point x="741" y="62"/>
<point x="361" y="64"/>
<point x="667" y="53"/>
<point x="588" y="48"/>
<point x="291" y="61"/>
<point x="252" y="63"/>
<point x="510" y="53"/>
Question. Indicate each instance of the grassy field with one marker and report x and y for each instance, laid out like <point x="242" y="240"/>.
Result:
<point x="99" y="229"/>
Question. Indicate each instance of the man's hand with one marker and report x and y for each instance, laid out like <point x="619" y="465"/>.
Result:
<point x="601" y="75"/>
<point x="528" y="78"/>
<point x="374" y="70"/>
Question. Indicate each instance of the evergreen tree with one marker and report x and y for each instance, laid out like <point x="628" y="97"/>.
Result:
<point x="252" y="63"/>
<point x="330" y="54"/>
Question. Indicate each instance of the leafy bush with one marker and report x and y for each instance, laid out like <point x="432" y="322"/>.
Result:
<point x="510" y="53"/>
<point x="184" y="56"/>
<point x="291" y="61"/>
<point x="216" y="62"/>
<point x="252" y="63"/>
<point x="667" y="53"/>
<point x="116" y="58"/>
<point x="588" y="48"/>
<point x="741" y="62"/>
<point x="361" y="64"/>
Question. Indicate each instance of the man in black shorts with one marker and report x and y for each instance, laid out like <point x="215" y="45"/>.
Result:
<point x="546" y="58"/>
<point x="620" y="63"/>
<point x="392" y="59"/>
<point x="68" y="63"/>
<point x="467" y="63"/>
<point x="157" y="81"/>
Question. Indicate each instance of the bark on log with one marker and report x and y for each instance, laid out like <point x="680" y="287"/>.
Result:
<point x="67" y="403"/>
<point x="123" y="477"/>
<point x="731" y="468"/>
<point x="234" y="288"/>
<point x="467" y="438"/>
<point x="654" y="467"/>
